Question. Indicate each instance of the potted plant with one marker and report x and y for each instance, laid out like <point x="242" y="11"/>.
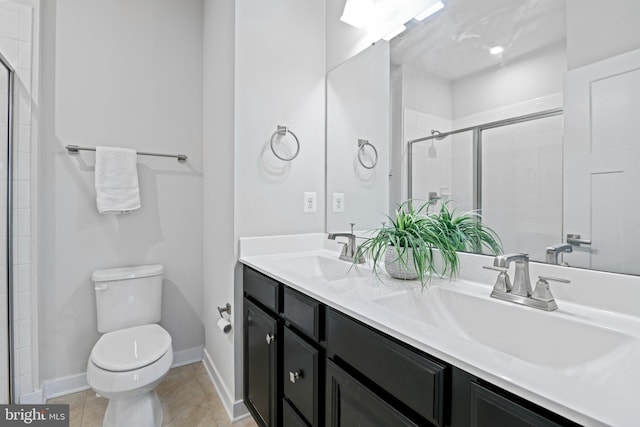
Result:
<point x="419" y="244"/>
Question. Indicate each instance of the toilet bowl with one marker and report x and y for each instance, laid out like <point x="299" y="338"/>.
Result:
<point x="134" y="353"/>
<point x="125" y="367"/>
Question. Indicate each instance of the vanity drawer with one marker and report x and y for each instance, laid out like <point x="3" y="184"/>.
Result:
<point x="303" y="312"/>
<point x="261" y="288"/>
<point x="413" y="379"/>
<point x="300" y="375"/>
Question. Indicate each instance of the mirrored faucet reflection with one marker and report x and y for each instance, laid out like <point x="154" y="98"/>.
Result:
<point x="554" y="251"/>
<point x="349" y="247"/>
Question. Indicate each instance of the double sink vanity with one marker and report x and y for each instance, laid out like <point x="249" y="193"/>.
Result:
<point x="326" y="343"/>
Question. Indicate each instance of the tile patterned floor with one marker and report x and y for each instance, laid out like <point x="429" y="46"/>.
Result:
<point x="187" y="395"/>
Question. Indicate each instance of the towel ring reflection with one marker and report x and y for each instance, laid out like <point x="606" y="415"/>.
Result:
<point x="362" y="143"/>
<point x="283" y="130"/>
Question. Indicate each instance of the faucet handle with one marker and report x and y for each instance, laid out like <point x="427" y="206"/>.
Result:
<point x="503" y="283"/>
<point x="542" y="291"/>
<point x="352" y="225"/>
<point x="491" y="267"/>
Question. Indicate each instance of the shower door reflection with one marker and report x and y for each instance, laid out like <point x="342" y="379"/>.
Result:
<point x="508" y="170"/>
<point x="522" y="184"/>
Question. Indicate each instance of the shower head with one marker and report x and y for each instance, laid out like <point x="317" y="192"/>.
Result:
<point x="432" y="152"/>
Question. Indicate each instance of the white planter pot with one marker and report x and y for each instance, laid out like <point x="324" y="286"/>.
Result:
<point x="396" y="268"/>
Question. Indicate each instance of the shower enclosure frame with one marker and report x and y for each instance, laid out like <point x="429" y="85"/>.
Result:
<point x="477" y="148"/>
<point x="9" y="227"/>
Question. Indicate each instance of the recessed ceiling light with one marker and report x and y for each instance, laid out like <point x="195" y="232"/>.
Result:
<point x="430" y="11"/>
<point x="496" y="50"/>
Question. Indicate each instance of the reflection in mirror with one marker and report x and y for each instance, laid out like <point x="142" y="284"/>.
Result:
<point x="358" y="111"/>
<point x="502" y="166"/>
<point x="536" y="181"/>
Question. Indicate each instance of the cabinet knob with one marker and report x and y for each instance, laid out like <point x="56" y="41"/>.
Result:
<point x="270" y="338"/>
<point x="293" y="376"/>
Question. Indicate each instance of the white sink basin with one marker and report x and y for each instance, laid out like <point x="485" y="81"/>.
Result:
<point x="551" y="339"/>
<point x="321" y="267"/>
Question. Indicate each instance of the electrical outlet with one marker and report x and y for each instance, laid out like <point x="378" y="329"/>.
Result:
<point x="338" y="202"/>
<point x="310" y="202"/>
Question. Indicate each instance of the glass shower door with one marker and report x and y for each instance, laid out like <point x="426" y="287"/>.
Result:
<point x="6" y="90"/>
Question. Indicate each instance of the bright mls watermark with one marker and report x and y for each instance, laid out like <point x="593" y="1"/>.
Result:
<point x="34" y="415"/>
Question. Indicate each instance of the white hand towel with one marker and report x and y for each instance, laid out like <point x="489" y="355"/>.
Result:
<point x="116" y="180"/>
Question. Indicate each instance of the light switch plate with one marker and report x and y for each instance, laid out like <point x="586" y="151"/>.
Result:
<point x="310" y="202"/>
<point x="338" y="202"/>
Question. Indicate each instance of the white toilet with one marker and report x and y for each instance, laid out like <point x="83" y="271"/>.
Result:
<point x="134" y="354"/>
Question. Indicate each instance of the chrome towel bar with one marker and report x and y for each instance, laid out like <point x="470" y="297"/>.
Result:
<point x="74" y="149"/>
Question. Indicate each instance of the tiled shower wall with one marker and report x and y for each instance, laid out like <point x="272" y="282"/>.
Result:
<point x="16" y="44"/>
<point x="522" y="171"/>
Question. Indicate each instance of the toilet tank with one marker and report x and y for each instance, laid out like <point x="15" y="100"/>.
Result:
<point x="128" y="296"/>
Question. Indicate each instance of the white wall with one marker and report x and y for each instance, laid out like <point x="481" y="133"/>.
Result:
<point x="125" y="74"/>
<point x="426" y="93"/>
<point x="279" y="80"/>
<point x="219" y="242"/>
<point x="535" y="75"/>
<point x="264" y="66"/>
<point x="597" y="30"/>
<point x="358" y="108"/>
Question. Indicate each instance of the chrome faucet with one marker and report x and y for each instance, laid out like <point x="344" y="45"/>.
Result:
<point x="520" y="292"/>
<point x="521" y="280"/>
<point x="555" y="250"/>
<point x="349" y="247"/>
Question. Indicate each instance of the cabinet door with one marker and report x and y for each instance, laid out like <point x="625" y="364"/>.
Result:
<point x="350" y="404"/>
<point x="489" y="409"/>
<point x="260" y="364"/>
<point x="300" y="362"/>
<point x="290" y="418"/>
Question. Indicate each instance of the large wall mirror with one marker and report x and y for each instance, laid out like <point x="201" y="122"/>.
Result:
<point x="526" y="110"/>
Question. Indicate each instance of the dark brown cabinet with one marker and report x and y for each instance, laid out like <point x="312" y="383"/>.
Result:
<point x="410" y="377"/>
<point x="490" y="409"/>
<point x="300" y="375"/>
<point x="349" y="403"/>
<point x="306" y="364"/>
<point x="260" y="364"/>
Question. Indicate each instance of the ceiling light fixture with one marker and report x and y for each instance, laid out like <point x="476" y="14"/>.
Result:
<point x="496" y="50"/>
<point x="357" y="13"/>
<point x="430" y="11"/>
<point x="394" y="33"/>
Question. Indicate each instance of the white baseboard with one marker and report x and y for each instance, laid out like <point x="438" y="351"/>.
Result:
<point x="64" y="385"/>
<point x="236" y="410"/>
<point x="187" y="357"/>
<point x="75" y="383"/>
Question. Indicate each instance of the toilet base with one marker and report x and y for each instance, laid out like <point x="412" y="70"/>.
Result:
<point x="141" y="411"/>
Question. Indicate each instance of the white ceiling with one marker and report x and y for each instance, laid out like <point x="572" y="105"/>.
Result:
<point x="455" y="42"/>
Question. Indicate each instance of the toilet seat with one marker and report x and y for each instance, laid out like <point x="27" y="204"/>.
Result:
<point x="130" y="349"/>
<point x="111" y="384"/>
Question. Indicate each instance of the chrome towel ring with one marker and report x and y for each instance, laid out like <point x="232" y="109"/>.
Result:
<point x="362" y="143"/>
<point x="283" y="130"/>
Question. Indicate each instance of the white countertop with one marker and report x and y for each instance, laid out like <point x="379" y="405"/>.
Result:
<point x="600" y="392"/>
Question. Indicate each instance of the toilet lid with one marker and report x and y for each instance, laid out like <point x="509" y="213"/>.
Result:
<point x="131" y="348"/>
